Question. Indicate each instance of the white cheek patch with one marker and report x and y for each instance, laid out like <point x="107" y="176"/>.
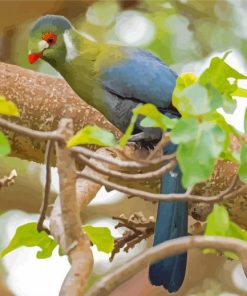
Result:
<point x="43" y="45"/>
<point x="71" y="50"/>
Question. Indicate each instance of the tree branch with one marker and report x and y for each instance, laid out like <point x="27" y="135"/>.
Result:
<point x="65" y="224"/>
<point x="43" y="101"/>
<point x="170" y="248"/>
<point x="139" y="228"/>
<point x="45" y="202"/>
<point x="8" y="180"/>
<point x="130" y="177"/>
<point x="149" y="196"/>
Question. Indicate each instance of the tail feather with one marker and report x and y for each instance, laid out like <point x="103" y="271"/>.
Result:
<point x="171" y="223"/>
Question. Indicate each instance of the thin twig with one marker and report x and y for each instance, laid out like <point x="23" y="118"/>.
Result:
<point x="24" y="131"/>
<point x="170" y="248"/>
<point x="139" y="228"/>
<point x="131" y="177"/>
<point x="8" y="180"/>
<point x="225" y="194"/>
<point x="45" y="202"/>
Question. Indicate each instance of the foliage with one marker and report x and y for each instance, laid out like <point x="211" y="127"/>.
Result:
<point x="92" y="135"/>
<point x="101" y="237"/>
<point x="219" y="224"/>
<point x="10" y="109"/>
<point x="202" y="134"/>
<point x="4" y="145"/>
<point x="27" y="235"/>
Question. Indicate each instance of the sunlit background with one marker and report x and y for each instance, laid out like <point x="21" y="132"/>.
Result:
<point x="186" y="34"/>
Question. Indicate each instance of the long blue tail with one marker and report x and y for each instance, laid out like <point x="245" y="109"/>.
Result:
<point x="171" y="223"/>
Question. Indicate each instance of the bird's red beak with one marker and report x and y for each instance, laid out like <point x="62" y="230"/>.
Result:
<point x="33" y="57"/>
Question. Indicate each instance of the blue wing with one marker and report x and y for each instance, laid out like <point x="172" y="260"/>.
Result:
<point x="140" y="76"/>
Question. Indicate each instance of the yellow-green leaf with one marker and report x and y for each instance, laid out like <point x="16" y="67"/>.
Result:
<point x="8" y="107"/>
<point x="4" y="145"/>
<point x="243" y="163"/>
<point x="218" y="223"/>
<point x="128" y="131"/>
<point x="101" y="237"/>
<point x="240" y="92"/>
<point x="92" y="134"/>
<point x="28" y="236"/>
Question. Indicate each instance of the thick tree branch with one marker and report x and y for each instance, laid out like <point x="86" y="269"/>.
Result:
<point x="42" y="100"/>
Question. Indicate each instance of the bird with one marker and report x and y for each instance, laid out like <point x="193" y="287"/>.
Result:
<point x="114" y="79"/>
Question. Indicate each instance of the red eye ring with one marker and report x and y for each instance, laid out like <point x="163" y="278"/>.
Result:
<point x="50" y="38"/>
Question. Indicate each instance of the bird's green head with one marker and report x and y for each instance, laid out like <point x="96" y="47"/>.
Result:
<point x="46" y="39"/>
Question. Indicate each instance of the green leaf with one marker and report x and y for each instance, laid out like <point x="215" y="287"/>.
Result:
<point x="28" y="236"/>
<point x="243" y="163"/>
<point x="217" y="221"/>
<point x="218" y="73"/>
<point x="240" y="92"/>
<point x="95" y="135"/>
<point x="148" y="122"/>
<point x="8" y="107"/>
<point x="235" y="231"/>
<point x="153" y="118"/>
<point x="194" y="100"/>
<point x="101" y="237"/>
<point x="184" y="131"/>
<point x="128" y="131"/>
<point x="219" y="224"/>
<point x="159" y="119"/>
<point x="4" y="145"/>
<point x="217" y="76"/>
<point x="184" y="80"/>
<point x="198" y="156"/>
<point x="245" y="121"/>
<point x="229" y="104"/>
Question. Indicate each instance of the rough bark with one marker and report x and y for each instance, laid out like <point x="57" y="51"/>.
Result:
<point x="44" y="100"/>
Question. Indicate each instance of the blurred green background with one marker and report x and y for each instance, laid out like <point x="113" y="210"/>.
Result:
<point x="185" y="34"/>
<point x="179" y="31"/>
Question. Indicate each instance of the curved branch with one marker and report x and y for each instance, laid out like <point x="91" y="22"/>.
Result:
<point x="170" y="248"/>
<point x="33" y="134"/>
<point x="130" y="177"/>
<point x="149" y="196"/>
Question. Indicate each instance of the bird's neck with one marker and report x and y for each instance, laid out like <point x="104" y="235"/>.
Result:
<point x="78" y="67"/>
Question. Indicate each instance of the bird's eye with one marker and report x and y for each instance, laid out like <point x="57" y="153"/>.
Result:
<point x="50" y="38"/>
